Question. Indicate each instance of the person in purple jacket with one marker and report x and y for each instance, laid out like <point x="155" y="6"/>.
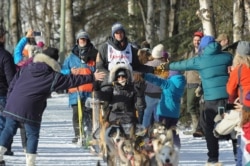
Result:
<point x="29" y="91"/>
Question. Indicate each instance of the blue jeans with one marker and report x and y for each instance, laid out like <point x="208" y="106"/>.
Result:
<point x="32" y="134"/>
<point x="2" y="119"/>
<point x="149" y="111"/>
<point x="239" y="152"/>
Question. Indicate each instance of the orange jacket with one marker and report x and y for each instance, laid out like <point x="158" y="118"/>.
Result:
<point x="238" y="83"/>
<point x="84" y="87"/>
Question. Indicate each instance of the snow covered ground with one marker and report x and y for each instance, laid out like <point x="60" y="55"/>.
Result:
<point x="55" y="147"/>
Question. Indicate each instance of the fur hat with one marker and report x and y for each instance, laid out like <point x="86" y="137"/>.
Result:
<point x="243" y="48"/>
<point x="222" y="36"/>
<point x="246" y="102"/>
<point x="116" y="27"/>
<point x="199" y="33"/>
<point x="82" y="34"/>
<point x="52" y="52"/>
<point x="121" y="67"/>
<point x="173" y="72"/>
<point x="206" y="40"/>
<point x="157" y="51"/>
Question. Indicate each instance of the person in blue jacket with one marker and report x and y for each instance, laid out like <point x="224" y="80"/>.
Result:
<point x="168" y="108"/>
<point x="27" y="98"/>
<point x="81" y="61"/>
<point x="212" y="65"/>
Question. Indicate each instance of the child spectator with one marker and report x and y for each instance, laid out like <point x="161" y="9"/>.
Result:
<point x="168" y="108"/>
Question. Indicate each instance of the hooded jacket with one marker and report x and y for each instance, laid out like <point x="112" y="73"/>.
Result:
<point x="88" y="65"/>
<point x="7" y="70"/>
<point x="31" y="86"/>
<point x="172" y="91"/>
<point x="122" y="99"/>
<point x="212" y="66"/>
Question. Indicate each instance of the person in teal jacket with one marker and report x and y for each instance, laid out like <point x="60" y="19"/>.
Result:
<point x="168" y="108"/>
<point x="212" y="65"/>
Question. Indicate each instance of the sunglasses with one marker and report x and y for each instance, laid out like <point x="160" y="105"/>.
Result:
<point x="121" y="76"/>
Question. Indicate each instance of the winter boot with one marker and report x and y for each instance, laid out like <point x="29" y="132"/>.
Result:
<point x="9" y="152"/>
<point x="30" y="159"/>
<point x="2" y="151"/>
<point x="213" y="164"/>
<point x="194" y="125"/>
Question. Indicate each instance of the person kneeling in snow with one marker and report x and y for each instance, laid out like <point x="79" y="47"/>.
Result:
<point x="27" y="98"/>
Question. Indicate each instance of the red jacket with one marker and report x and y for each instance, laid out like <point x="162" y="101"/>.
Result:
<point x="233" y="88"/>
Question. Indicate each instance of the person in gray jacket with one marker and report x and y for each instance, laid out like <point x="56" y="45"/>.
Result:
<point x="212" y="65"/>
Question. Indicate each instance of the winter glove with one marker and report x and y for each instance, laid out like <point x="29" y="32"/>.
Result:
<point x="163" y="66"/>
<point x="162" y="70"/>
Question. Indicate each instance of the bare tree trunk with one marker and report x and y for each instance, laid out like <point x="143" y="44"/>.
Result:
<point x="62" y="33"/>
<point x="13" y="21"/>
<point x="171" y="17"/>
<point x="205" y="13"/>
<point x="163" y="20"/>
<point x="238" y="19"/>
<point x="247" y="9"/>
<point x="149" y="28"/>
<point x="131" y="14"/>
<point x="69" y="33"/>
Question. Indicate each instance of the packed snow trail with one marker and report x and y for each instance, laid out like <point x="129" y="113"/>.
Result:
<point x="55" y="147"/>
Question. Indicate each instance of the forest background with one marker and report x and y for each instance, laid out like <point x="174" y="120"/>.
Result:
<point x="170" y="22"/>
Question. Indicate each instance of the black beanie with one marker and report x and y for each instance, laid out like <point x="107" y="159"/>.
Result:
<point x="52" y="52"/>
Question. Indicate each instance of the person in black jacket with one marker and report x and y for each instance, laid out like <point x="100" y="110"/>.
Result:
<point x="124" y="97"/>
<point x="118" y="50"/>
<point x="29" y="90"/>
<point x="7" y="72"/>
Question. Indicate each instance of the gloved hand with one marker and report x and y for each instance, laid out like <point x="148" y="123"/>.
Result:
<point x="163" y="66"/>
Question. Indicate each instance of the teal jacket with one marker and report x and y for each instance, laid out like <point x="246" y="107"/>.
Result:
<point x="172" y="91"/>
<point x="212" y="65"/>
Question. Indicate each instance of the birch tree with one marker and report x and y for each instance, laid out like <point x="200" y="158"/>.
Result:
<point x="14" y="21"/>
<point x="247" y="10"/>
<point x="163" y="20"/>
<point x="69" y="33"/>
<point x="238" y="20"/>
<point x="205" y="13"/>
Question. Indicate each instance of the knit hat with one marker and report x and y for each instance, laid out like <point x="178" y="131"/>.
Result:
<point x="82" y="35"/>
<point x="116" y="27"/>
<point x="52" y="52"/>
<point x="243" y="48"/>
<point x="157" y="51"/>
<point x="222" y="36"/>
<point x="173" y="72"/>
<point x="246" y="102"/>
<point x="199" y="33"/>
<point x="206" y="40"/>
<point x="40" y="44"/>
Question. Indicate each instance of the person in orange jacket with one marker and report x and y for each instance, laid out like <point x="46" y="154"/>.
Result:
<point x="81" y="61"/>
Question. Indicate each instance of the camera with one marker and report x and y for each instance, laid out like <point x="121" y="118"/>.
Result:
<point x="35" y="33"/>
